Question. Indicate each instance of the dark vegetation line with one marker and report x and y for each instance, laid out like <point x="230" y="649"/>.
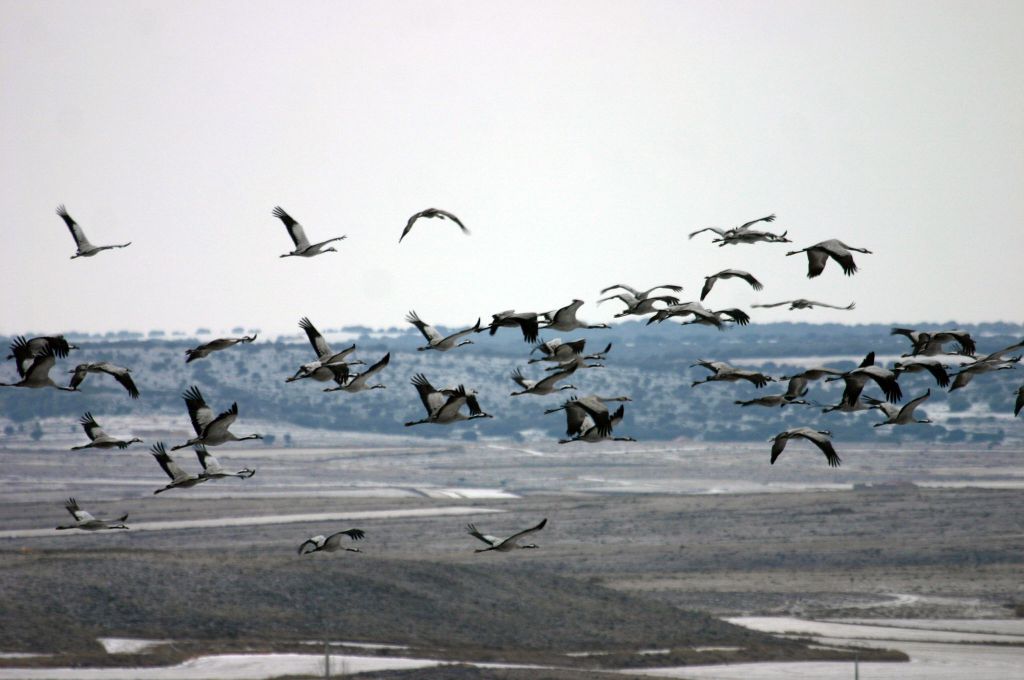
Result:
<point x="655" y="371"/>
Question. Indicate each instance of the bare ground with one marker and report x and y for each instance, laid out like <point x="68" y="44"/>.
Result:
<point x="614" y="572"/>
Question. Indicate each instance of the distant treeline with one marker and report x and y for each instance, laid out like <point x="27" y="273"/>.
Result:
<point x="651" y="364"/>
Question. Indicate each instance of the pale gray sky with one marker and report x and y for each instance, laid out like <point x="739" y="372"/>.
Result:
<point x="580" y="141"/>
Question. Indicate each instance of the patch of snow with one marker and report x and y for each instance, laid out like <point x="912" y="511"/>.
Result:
<point x="532" y="452"/>
<point x="787" y="625"/>
<point x="928" y="660"/>
<point x="242" y="667"/>
<point x="112" y="645"/>
<point x="227" y="667"/>
<point x="717" y="649"/>
<point x="268" y="519"/>
<point x="363" y="645"/>
<point x="469" y="493"/>
<point x="996" y="626"/>
<point x="974" y="484"/>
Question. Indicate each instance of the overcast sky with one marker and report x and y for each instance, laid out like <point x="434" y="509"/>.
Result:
<point x="579" y="141"/>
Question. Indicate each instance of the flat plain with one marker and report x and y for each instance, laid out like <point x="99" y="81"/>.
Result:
<point x="646" y="548"/>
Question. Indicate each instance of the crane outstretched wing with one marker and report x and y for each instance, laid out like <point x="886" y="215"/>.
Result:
<point x="76" y="231"/>
<point x="295" y="229"/>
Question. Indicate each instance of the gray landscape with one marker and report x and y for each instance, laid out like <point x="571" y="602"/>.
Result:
<point x="652" y="364"/>
<point x="657" y="554"/>
<point x="440" y="340"/>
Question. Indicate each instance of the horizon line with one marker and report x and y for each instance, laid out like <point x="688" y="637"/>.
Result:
<point x="165" y="333"/>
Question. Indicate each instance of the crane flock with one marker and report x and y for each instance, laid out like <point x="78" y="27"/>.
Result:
<point x="588" y="418"/>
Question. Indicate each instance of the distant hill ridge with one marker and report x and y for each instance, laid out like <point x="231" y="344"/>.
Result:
<point x="650" y="363"/>
<point x="490" y="606"/>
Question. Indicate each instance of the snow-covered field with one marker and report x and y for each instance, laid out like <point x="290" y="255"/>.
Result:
<point x="226" y="667"/>
<point x="488" y="470"/>
<point x="1014" y="627"/>
<point x="927" y="662"/>
<point x="939" y="649"/>
<point x="439" y="474"/>
<point x="924" y="630"/>
<point x="271" y="519"/>
<point x="115" y="645"/>
<point x="936" y="652"/>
